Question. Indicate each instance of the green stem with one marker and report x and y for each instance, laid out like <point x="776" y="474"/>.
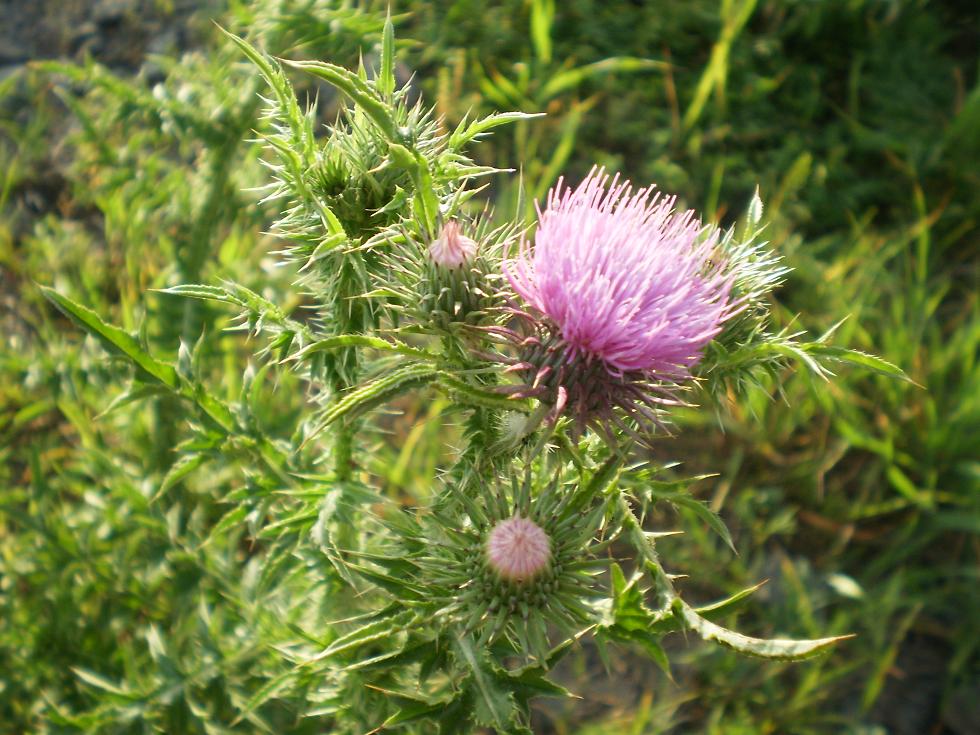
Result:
<point x="350" y="317"/>
<point x="482" y="423"/>
<point x="343" y="452"/>
<point x="647" y="549"/>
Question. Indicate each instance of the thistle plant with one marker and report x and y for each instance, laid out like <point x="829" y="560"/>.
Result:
<point x="561" y="344"/>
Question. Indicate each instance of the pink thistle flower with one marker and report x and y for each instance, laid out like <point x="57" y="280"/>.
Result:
<point x="518" y="549"/>
<point x="451" y="249"/>
<point x="623" y="295"/>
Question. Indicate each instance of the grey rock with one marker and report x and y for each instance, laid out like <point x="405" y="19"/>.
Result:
<point x="12" y="52"/>
<point x="167" y="41"/>
<point x="107" y="12"/>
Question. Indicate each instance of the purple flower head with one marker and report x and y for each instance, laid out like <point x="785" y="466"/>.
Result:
<point x="624" y="293"/>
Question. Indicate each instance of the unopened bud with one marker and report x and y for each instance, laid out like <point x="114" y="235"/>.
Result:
<point x="451" y="249"/>
<point x="518" y="549"/>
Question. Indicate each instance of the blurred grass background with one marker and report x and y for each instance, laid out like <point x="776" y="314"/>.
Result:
<point x="130" y="599"/>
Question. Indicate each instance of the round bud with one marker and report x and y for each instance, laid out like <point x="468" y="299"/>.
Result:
<point x="518" y="550"/>
<point x="451" y="249"/>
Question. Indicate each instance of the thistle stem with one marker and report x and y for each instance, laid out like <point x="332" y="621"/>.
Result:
<point x="343" y="453"/>
<point x="647" y="550"/>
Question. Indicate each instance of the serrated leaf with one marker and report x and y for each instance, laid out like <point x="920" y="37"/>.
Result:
<point x="392" y="660"/>
<point x="631" y="620"/>
<point x="378" y="391"/>
<point x="135" y="393"/>
<point x="393" y="564"/>
<point x="201" y="291"/>
<point x="861" y="359"/>
<point x="464" y="133"/>
<point x="527" y="683"/>
<point x="533" y="683"/>
<point x="229" y="520"/>
<point x="386" y="74"/>
<point x="413" y="712"/>
<point x="180" y="469"/>
<point x="216" y="410"/>
<point x="236" y="295"/>
<point x="629" y="610"/>
<point x="646" y="641"/>
<point x="473" y="395"/>
<point x="400" y="588"/>
<point x="702" y="511"/>
<point x="360" y="340"/>
<point x="258" y="58"/>
<point x="100" y="682"/>
<point x="603" y="477"/>
<point x="374" y="631"/>
<point x="717" y="609"/>
<point x="781" y="649"/>
<point x="492" y="707"/>
<point x="266" y="692"/>
<point x="114" y="339"/>
<point x="354" y="87"/>
<point x="425" y="201"/>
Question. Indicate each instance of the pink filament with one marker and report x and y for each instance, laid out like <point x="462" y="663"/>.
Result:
<point x="624" y="277"/>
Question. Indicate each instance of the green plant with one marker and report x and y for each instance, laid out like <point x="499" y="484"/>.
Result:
<point x="138" y="592"/>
